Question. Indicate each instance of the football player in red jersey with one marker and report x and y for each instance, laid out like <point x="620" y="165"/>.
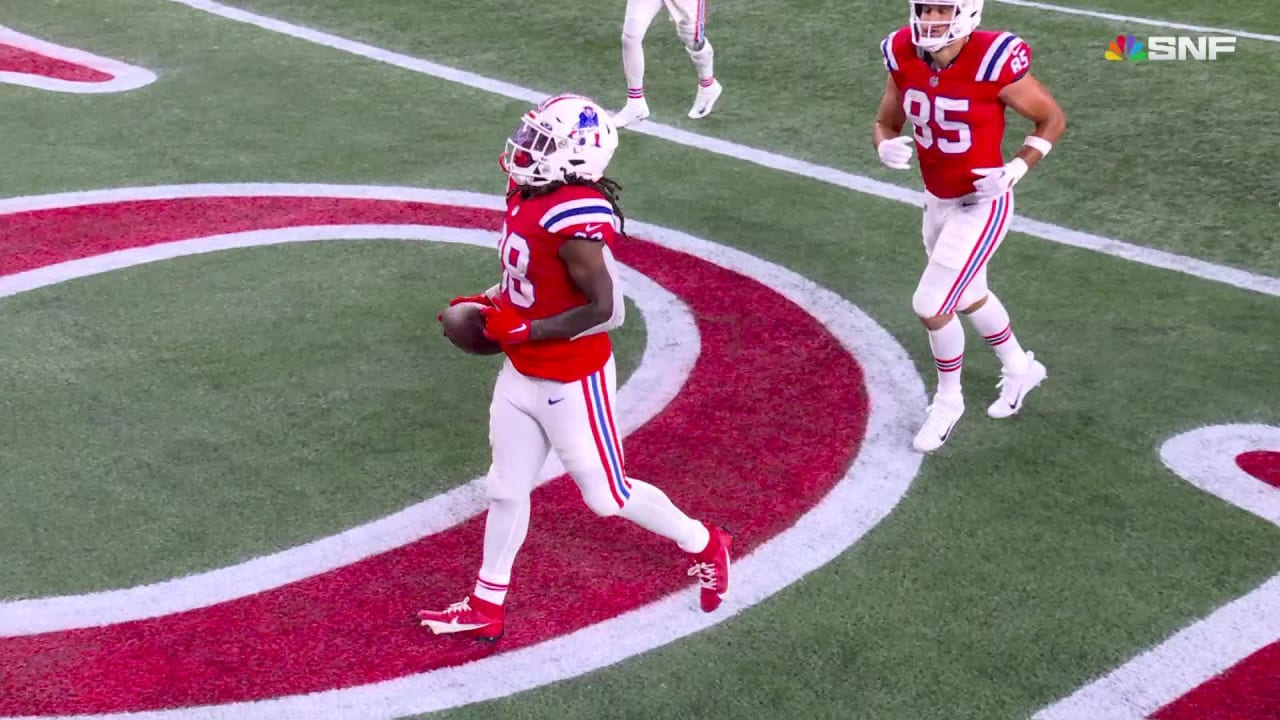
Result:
<point x="559" y="296"/>
<point x="953" y="83"/>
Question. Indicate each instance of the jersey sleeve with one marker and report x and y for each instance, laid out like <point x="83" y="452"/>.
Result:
<point x="589" y="217"/>
<point x="887" y="53"/>
<point x="1006" y="61"/>
<point x="893" y="49"/>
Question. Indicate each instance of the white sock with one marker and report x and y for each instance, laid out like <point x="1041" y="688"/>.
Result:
<point x="651" y="509"/>
<point x="948" y="356"/>
<point x="505" y="528"/>
<point x="633" y="66"/>
<point x="704" y="60"/>
<point x="992" y="322"/>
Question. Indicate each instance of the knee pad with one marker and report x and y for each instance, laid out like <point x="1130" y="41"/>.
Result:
<point x="687" y="31"/>
<point x="926" y="300"/>
<point x="971" y="295"/>
<point x="633" y="32"/>
<point x="600" y="500"/>
<point x="499" y="488"/>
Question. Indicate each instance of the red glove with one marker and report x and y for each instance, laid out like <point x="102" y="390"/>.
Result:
<point x="505" y="326"/>
<point x="481" y="298"/>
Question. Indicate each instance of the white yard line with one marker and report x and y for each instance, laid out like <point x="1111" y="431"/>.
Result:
<point x="859" y="183"/>
<point x="1133" y="20"/>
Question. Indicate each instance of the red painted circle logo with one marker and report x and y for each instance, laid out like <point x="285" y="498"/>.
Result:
<point x="791" y="427"/>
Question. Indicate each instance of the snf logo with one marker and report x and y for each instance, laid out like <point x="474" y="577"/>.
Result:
<point x="1169" y="47"/>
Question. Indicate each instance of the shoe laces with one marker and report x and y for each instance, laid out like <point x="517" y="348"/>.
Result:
<point x="1008" y="378"/>
<point x="706" y="574"/>
<point x="1008" y="384"/>
<point x="934" y="418"/>
<point x="461" y="606"/>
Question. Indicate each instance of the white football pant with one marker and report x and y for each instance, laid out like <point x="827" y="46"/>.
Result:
<point x="530" y="417"/>
<point x="960" y="237"/>
<point x="688" y="15"/>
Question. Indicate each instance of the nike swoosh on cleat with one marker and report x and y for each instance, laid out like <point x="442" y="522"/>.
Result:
<point x="947" y="434"/>
<point x="452" y="626"/>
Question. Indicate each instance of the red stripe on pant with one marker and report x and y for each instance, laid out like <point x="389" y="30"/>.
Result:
<point x="595" y="435"/>
<point x="613" y="431"/>
<point x="956" y="288"/>
<point x="991" y="250"/>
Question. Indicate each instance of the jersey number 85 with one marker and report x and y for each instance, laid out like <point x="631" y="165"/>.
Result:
<point x="920" y="111"/>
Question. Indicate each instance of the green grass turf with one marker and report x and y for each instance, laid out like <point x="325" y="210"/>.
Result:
<point x="1030" y="555"/>
<point x="1156" y="154"/>
<point x="1227" y="14"/>
<point x="185" y="415"/>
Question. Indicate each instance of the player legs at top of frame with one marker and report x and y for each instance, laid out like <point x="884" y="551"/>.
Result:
<point x="551" y="314"/>
<point x="689" y="17"/>
<point x="957" y="122"/>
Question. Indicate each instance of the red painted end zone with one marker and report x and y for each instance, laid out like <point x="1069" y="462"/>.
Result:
<point x="19" y="60"/>
<point x="1250" y="689"/>
<point x="769" y="419"/>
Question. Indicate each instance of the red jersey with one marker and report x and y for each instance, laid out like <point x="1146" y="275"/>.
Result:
<point x="536" y="282"/>
<point x="956" y="112"/>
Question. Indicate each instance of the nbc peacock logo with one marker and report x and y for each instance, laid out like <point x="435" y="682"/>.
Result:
<point x="1126" y="47"/>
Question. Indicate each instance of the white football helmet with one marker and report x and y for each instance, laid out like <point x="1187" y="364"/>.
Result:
<point x="964" y="20"/>
<point x="566" y="135"/>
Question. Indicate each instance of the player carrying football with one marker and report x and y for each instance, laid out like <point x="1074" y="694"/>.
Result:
<point x="690" y="18"/>
<point x="953" y="82"/>
<point x="559" y="296"/>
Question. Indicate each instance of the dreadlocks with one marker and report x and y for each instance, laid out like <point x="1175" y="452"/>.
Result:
<point x="610" y="188"/>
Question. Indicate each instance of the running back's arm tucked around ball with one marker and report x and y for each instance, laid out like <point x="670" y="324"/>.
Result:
<point x="592" y="268"/>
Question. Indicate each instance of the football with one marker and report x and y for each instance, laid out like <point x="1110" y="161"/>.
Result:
<point x="464" y="326"/>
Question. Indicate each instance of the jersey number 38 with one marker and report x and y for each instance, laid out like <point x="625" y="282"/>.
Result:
<point x="514" y="251"/>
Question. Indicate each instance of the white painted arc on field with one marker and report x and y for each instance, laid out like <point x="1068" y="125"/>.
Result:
<point x="123" y="75"/>
<point x="1135" y="20"/>
<point x="871" y="487"/>
<point x="671" y="350"/>
<point x="1206" y="458"/>
<point x="859" y="183"/>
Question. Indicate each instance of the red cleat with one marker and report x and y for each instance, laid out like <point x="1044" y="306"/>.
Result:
<point x="711" y="567"/>
<point x="473" y="617"/>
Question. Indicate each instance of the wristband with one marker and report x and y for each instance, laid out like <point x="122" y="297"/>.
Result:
<point x="1039" y="143"/>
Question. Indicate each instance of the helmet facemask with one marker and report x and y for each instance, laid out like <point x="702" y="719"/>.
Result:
<point x="525" y="156"/>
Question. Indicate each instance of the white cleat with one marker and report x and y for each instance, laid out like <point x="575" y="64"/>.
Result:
<point x="1014" y="388"/>
<point x="634" y="111"/>
<point x="705" y="100"/>
<point x="944" y="413"/>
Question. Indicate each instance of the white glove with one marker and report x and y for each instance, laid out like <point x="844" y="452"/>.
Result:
<point x="998" y="181"/>
<point x="896" y="152"/>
